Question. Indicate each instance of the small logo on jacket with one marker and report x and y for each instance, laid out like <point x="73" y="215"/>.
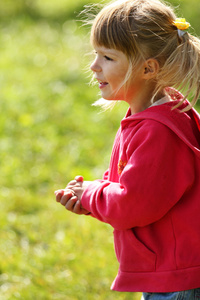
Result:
<point x="121" y="166"/>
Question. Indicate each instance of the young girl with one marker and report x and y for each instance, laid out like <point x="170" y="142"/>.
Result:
<point x="150" y="194"/>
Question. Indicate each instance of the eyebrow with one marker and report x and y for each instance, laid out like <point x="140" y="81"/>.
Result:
<point x="106" y="51"/>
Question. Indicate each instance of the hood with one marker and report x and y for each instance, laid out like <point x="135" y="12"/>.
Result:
<point x="186" y="125"/>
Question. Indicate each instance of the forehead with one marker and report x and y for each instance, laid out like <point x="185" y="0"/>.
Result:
<point x="113" y="53"/>
<point x="102" y="49"/>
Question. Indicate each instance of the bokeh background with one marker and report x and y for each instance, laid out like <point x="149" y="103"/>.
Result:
<point x="50" y="132"/>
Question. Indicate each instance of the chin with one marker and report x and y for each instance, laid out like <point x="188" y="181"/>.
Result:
<point x="111" y="98"/>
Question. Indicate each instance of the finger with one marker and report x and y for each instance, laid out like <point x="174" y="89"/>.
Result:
<point x="71" y="183"/>
<point x="77" y="185"/>
<point x="70" y="203"/>
<point x="79" y="178"/>
<point x="59" y="192"/>
<point x="77" y="207"/>
<point x="76" y="189"/>
<point x="66" y="196"/>
<point x="59" y="195"/>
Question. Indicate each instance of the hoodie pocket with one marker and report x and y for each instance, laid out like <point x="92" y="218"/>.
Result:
<point x="132" y="254"/>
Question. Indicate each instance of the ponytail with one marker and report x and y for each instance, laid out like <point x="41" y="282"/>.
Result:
<point x="181" y="69"/>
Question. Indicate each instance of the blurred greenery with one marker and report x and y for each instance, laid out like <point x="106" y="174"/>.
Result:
<point x="49" y="132"/>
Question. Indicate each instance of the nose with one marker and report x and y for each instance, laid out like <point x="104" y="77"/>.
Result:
<point x="95" y="67"/>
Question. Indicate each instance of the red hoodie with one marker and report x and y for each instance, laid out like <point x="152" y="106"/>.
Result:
<point x="151" y="197"/>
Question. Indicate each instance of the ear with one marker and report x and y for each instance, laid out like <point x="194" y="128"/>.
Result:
<point x="150" y="68"/>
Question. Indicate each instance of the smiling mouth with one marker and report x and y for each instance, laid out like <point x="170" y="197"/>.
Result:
<point x="102" y="84"/>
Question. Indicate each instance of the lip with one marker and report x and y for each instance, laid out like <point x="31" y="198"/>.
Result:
<point x="102" y="84"/>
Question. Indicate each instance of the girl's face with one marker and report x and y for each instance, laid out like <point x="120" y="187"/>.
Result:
<point x="110" y="69"/>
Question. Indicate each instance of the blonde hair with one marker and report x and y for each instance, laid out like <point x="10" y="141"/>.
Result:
<point x="144" y="29"/>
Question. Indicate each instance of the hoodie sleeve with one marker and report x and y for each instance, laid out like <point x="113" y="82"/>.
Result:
<point x="105" y="175"/>
<point x="159" y="170"/>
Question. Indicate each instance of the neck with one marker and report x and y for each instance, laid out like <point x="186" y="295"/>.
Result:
<point x="144" y="99"/>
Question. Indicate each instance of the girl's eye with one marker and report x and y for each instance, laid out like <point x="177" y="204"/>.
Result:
<point x="108" y="58"/>
<point x="105" y="56"/>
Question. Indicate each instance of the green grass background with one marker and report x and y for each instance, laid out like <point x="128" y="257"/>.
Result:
<point x="50" y="132"/>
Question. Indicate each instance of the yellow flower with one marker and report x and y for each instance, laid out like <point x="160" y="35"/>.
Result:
<point x="181" y="23"/>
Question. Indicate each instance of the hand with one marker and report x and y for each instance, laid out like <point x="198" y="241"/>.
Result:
<point x="67" y="198"/>
<point x="70" y="197"/>
<point x="78" y="185"/>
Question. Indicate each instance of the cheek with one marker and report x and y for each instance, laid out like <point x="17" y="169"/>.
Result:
<point x="119" y="77"/>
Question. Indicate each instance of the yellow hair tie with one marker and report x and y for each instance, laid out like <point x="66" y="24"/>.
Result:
<point x="181" y="23"/>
